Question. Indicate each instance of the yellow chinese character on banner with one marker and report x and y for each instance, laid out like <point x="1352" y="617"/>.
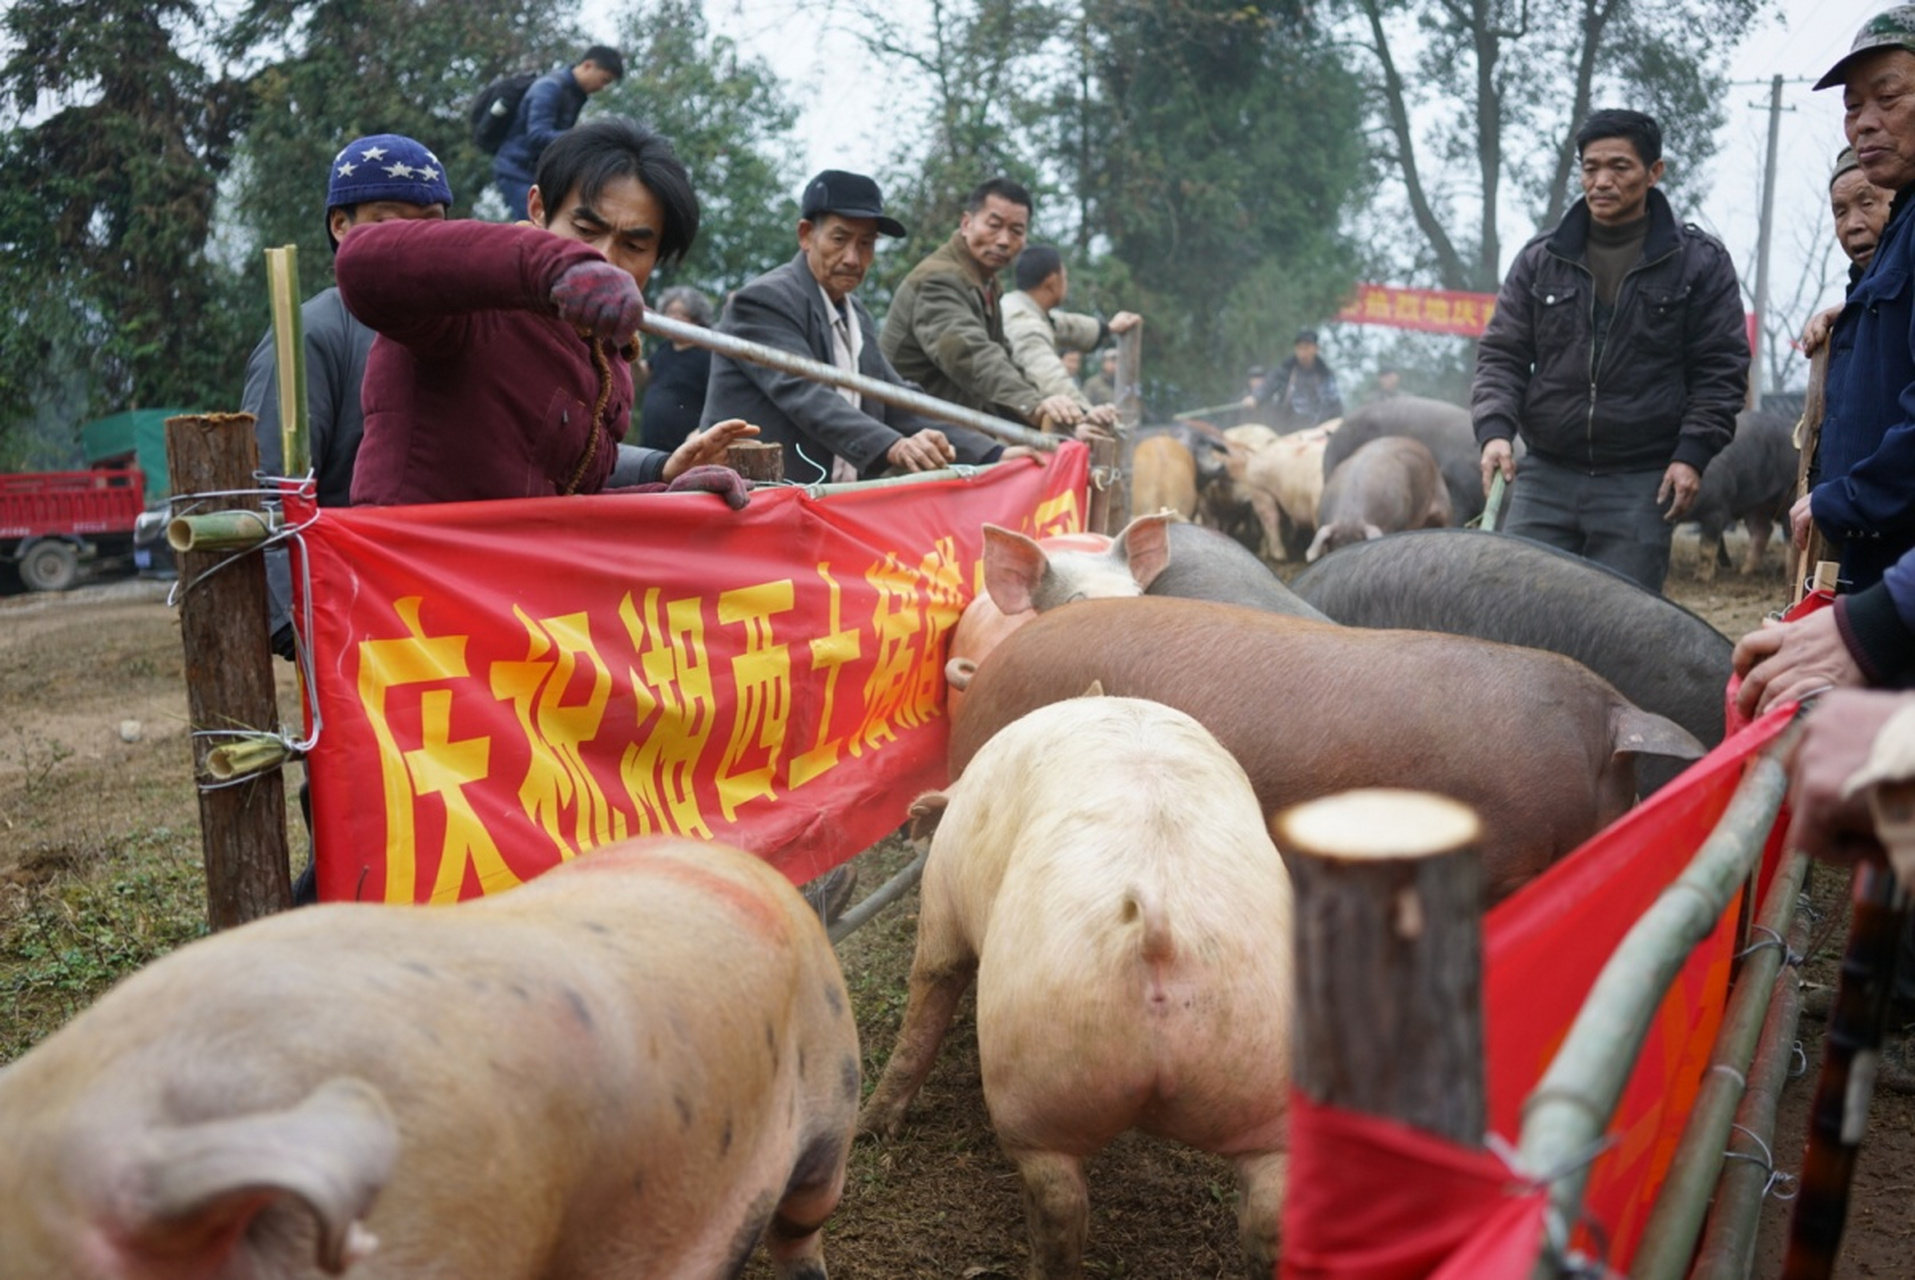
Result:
<point x="440" y="766"/>
<point x="836" y="649"/>
<point x="1376" y="304"/>
<point x="676" y="712"/>
<point x="762" y="676"/>
<point x="558" y="651"/>
<point x="943" y="580"/>
<point x="1407" y="307"/>
<point x="890" y="691"/>
<point x="1436" y="309"/>
<point x="1465" y="314"/>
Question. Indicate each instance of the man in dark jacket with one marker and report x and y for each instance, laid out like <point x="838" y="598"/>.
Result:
<point x="1301" y="393"/>
<point x="549" y="108"/>
<point x="1618" y="351"/>
<point x="1863" y="494"/>
<point x="806" y="307"/>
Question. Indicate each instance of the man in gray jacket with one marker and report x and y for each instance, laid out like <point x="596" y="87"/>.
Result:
<point x="1618" y="351"/>
<point x="806" y="307"/>
<point x="1038" y="329"/>
<point x="373" y="179"/>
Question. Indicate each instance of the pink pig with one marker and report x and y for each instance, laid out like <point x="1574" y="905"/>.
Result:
<point x="637" y="1065"/>
<point x="1104" y="870"/>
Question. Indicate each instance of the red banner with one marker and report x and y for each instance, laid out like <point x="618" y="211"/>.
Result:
<point x="1427" y="310"/>
<point x="501" y="685"/>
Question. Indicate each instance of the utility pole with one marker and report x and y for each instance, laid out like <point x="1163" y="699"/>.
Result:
<point x="1756" y="353"/>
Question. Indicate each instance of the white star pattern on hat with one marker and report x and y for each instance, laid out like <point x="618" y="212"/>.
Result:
<point x="426" y="174"/>
<point x="399" y="169"/>
<point x="345" y="170"/>
<point x="373" y="153"/>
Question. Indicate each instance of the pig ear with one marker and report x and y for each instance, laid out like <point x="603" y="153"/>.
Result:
<point x="196" y="1190"/>
<point x="1095" y="690"/>
<point x="1014" y="565"/>
<point x="926" y="812"/>
<point x="1316" y="545"/>
<point x="1370" y="531"/>
<point x="1146" y="544"/>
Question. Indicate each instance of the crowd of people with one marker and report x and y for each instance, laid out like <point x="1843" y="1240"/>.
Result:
<point x="460" y="360"/>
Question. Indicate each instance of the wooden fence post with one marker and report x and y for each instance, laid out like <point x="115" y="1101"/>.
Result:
<point x="1389" y="1014"/>
<point x="757" y="461"/>
<point x="229" y="672"/>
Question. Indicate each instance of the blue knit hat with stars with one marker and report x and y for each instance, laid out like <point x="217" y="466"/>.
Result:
<point x="385" y="166"/>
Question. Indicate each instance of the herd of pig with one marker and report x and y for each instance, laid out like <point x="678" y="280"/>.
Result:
<point x="1411" y="463"/>
<point x="645" y="1063"/>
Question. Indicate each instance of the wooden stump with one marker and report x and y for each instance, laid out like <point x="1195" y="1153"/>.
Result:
<point x="757" y="461"/>
<point x="1389" y="1016"/>
<point x="229" y="673"/>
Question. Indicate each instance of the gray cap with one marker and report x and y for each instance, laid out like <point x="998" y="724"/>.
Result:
<point x="1889" y="29"/>
<point x="1845" y="162"/>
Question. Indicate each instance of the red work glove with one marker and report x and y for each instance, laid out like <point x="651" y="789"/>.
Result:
<point x="601" y="299"/>
<point x="723" y="481"/>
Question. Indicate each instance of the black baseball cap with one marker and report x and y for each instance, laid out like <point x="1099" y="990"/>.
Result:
<point x="849" y="195"/>
<point x="1307" y="335"/>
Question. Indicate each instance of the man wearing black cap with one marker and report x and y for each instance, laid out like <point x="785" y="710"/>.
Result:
<point x="1302" y="392"/>
<point x="1863" y="494"/>
<point x="806" y="307"/>
<point x="1618" y="351"/>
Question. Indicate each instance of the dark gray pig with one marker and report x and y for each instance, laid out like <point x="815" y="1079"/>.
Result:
<point x="1444" y="429"/>
<point x="1752" y="480"/>
<point x="1207" y="565"/>
<point x="1493" y="586"/>
<point x="1387" y="485"/>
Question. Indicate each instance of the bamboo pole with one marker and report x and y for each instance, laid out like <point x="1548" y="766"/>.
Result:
<point x="1814" y="405"/>
<point x="1388" y="920"/>
<point x="1130" y="377"/>
<point x="902" y="397"/>
<point x="1669" y="1237"/>
<point x="1728" y="1247"/>
<point x="1207" y="411"/>
<point x="229" y="673"/>
<point x="289" y="354"/>
<point x="1838" y="1116"/>
<point x="221" y="530"/>
<point x="1107" y="489"/>
<point x="1569" y="1108"/>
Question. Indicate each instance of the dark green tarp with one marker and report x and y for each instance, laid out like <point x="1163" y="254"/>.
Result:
<point x="140" y="432"/>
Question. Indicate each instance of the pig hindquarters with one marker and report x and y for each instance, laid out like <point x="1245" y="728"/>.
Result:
<point x="634" y="1066"/>
<point x="1543" y="748"/>
<point x="1387" y="485"/>
<point x="1104" y="869"/>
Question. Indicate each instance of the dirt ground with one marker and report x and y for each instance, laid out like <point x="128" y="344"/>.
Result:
<point x="99" y="873"/>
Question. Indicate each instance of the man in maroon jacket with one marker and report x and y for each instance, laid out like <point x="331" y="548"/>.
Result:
<point x="503" y="363"/>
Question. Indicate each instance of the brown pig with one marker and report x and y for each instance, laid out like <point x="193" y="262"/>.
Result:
<point x="1104" y="869"/>
<point x="1163" y="476"/>
<point x="637" y="1065"/>
<point x="1389" y="484"/>
<point x="1540" y="745"/>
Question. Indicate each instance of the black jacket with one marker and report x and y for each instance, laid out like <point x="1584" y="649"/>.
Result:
<point x="1675" y="366"/>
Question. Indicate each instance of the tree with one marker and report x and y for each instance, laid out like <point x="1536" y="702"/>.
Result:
<point x="1228" y="156"/>
<point x="1533" y="70"/>
<point x="355" y="67"/>
<point x="729" y="120"/>
<point x="106" y="208"/>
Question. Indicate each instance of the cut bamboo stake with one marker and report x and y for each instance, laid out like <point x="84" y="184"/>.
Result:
<point x="289" y="355"/>
<point x="229" y="673"/>
<point x="1728" y="1246"/>
<point x="1568" y="1110"/>
<point x="1388" y="914"/>
<point x="662" y="325"/>
<point x="1669" y="1237"/>
<point x="1814" y="404"/>
<point x="1106" y="505"/>
<point x="757" y="461"/>
<point x="221" y="530"/>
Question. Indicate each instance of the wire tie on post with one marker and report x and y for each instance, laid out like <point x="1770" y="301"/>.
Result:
<point x="1773" y="939"/>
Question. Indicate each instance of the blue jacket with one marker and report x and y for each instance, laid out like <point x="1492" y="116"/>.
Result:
<point x="1878" y="626"/>
<point x="1865" y="492"/>
<point x="549" y="108"/>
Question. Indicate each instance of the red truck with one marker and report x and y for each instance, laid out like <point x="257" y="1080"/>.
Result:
<point x="50" y="520"/>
